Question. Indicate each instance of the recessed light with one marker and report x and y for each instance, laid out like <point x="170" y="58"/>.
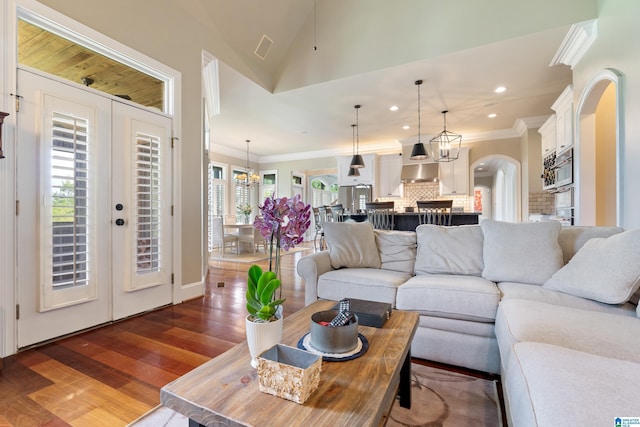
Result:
<point x="405" y="127"/>
<point x="492" y="115"/>
<point x="393" y="108"/>
<point x="479" y="169"/>
<point x="500" y="89"/>
<point x="481" y="163"/>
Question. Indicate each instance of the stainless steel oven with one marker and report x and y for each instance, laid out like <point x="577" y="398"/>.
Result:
<point x="563" y="169"/>
<point x="565" y="204"/>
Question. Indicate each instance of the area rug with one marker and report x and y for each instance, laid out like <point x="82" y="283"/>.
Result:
<point x="248" y="257"/>
<point x="439" y="398"/>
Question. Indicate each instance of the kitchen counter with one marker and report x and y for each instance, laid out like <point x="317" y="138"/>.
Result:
<point x="408" y="221"/>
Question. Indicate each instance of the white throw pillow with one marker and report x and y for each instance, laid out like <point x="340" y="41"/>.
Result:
<point x="351" y="244"/>
<point x="604" y="269"/>
<point x="449" y="250"/>
<point x="526" y="252"/>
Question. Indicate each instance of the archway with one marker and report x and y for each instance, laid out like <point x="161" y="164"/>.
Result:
<point x="497" y="177"/>
<point x="598" y="147"/>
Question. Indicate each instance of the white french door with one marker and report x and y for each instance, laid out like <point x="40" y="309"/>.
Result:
<point x="93" y="184"/>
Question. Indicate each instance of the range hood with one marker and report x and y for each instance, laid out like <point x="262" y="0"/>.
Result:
<point x="422" y="172"/>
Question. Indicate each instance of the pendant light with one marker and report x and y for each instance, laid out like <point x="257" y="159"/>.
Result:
<point x="353" y="171"/>
<point x="445" y="146"/>
<point x="248" y="178"/>
<point x="357" y="161"/>
<point x="418" y="152"/>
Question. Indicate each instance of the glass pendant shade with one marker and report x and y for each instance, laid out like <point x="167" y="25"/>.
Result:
<point x="446" y="145"/>
<point x="419" y="152"/>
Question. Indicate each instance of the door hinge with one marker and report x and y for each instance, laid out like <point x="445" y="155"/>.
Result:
<point x="17" y="101"/>
<point x="172" y="278"/>
<point x="17" y="311"/>
<point x="17" y="207"/>
<point x="173" y="140"/>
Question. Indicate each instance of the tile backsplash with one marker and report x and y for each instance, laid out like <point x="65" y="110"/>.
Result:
<point x="427" y="191"/>
<point x="543" y="202"/>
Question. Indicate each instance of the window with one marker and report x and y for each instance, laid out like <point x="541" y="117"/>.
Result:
<point x="269" y="183"/>
<point x="320" y="193"/>
<point x="216" y="195"/>
<point x="297" y="184"/>
<point x="243" y="195"/>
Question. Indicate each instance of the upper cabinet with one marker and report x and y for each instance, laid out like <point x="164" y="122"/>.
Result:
<point x="367" y="173"/>
<point x="389" y="171"/>
<point x="454" y="176"/>
<point x="564" y="120"/>
<point x="548" y="136"/>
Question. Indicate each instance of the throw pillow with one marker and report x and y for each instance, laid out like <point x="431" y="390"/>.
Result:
<point x="449" y="250"/>
<point x="351" y="244"/>
<point x="526" y="252"/>
<point x="397" y="250"/>
<point x="604" y="269"/>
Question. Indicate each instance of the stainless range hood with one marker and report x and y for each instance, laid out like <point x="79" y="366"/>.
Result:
<point x="423" y="172"/>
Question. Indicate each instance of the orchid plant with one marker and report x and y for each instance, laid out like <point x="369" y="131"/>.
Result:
<point x="283" y="224"/>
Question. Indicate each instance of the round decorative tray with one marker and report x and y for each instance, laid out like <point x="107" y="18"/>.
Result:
<point x="363" y="345"/>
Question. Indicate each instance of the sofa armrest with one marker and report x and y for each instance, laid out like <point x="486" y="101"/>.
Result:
<point x="310" y="268"/>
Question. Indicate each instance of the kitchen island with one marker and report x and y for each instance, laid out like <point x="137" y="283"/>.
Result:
<point x="408" y="221"/>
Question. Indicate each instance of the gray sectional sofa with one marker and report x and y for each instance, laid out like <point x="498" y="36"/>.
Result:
<point x="552" y="309"/>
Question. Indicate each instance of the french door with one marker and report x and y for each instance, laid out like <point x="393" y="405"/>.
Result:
<point x="94" y="194"/>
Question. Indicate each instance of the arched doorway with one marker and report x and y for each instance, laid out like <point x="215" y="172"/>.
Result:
<point x="597" y="151"/>
<point x="496" y="181"/>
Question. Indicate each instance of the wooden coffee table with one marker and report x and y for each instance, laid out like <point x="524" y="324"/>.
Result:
<point x="358" y="392"/>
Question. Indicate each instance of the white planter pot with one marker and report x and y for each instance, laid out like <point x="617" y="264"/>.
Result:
<point x="261" y="336"/>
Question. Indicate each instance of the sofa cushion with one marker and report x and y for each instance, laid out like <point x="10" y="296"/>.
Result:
<point x="521" y="252"/>
<point x="572" y="238"/>
<point x="604" y="269"/>
<point x="510" y="290"/>
<point x="605" y="334"/>
<point x="443" y="295"/>
<point x="351" y="244"/>
<point x="541" y="391"/>
<point x="370" y="284"/>
<point x="397" y="250"/>
<point x="449" y="250"/>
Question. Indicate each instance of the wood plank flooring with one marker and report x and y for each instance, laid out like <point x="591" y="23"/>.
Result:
<point x="111" y="375"/>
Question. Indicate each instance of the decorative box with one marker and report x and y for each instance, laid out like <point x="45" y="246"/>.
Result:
<point x="288" y="372"/>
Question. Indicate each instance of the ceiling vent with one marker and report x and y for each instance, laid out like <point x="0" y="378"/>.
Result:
<point x="263" y="47"/>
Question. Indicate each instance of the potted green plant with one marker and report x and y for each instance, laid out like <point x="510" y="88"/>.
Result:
<point x="283" y="223"/>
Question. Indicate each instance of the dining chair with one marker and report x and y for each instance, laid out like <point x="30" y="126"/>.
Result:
<point x="336" y="212"/>
<point x="436" y="212"/>
<point x="221" y="239"/>
<point x="259" y="240"/>
<point x="381" y="215"/>
<point x="248" y="235"/>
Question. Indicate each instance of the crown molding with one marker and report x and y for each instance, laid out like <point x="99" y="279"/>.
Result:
<point x="576" y="43"/>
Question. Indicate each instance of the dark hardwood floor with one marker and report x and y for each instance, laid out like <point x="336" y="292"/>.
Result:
<point x="111" y="375"/>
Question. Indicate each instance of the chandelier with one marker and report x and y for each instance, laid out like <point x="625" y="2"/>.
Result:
<point x="445" y="146"/>
<point x="248" y="178"/>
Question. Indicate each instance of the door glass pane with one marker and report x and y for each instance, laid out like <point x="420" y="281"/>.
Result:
<point x="147" y="172"/>
<point x="69" y="201"/>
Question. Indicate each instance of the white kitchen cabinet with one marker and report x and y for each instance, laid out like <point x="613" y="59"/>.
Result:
<point x="564" y="120"/>
<point x="389" y="171"/>
<point x="548" y="136"/>
<point x="367" y="173"/>
<point x="454" y="176"/>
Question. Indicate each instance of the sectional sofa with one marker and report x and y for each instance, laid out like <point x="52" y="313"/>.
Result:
<point x="552" y="309"/>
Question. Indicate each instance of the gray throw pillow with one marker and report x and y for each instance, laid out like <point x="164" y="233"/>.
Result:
<point x="526" y="252"/>
<point x="604" y="269"/>
<point x="449" y="250"/>
<point x="351" y="244"/>
<point x="397" y="250"/>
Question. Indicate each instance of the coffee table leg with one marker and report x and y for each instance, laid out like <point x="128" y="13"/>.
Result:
<point x="193" y="423"/>
<point x="405" y="382"/>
